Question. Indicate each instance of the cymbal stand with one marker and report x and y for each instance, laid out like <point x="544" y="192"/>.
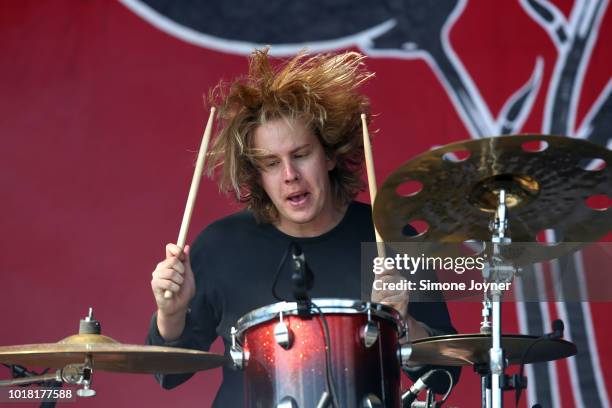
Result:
<point x="497" y="271"/>
<point x="509" y="383"/>
<point x="73" y="374"/>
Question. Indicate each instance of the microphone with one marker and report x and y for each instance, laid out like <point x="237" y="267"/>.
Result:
<point x="558" y="327"/>
<point x="411" y="395"/>
<point x="302" y="277"/>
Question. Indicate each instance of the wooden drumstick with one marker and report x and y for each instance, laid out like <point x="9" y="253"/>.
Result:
<point x="193" y="190"/>
<point x="367" y="147"/>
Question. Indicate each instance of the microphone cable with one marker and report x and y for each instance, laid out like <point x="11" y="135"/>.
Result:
<point x="329" y="377"/>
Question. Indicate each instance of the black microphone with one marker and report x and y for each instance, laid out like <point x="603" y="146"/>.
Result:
<point x="558" y="327"/>
<point x="411" y="395"/>
<point x="302" y="277"/>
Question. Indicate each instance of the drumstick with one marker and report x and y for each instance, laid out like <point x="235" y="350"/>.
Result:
<point x="193" y="190"/>
<point x="367" y="147"/>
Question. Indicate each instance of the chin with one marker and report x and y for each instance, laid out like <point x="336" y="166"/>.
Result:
<point x="299" y="218"/>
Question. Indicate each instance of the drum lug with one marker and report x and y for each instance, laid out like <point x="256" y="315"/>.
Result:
<point x="287" y="402"/>
<point x="371" y="401"/>
<point x="282" y="334"/>
<point x="404" y="353"/>
<point x="369" y="334"/>
<point x="240" y="358"/>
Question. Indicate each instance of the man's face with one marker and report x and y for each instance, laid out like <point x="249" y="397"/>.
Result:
<point x="294" y="174"/>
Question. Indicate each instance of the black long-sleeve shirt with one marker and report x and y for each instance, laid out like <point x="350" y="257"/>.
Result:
<point x="234" y="261"/>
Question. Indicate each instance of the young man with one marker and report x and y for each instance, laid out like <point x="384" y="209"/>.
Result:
<point x="290" y="149"/>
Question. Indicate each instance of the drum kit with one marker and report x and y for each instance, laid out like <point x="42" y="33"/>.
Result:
<point x="348" y="353"/>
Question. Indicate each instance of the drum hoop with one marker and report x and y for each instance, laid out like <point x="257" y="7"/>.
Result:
<point x="327" y="306"/>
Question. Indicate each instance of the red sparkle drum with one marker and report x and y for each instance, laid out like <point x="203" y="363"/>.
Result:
<point x="282" y="351"/>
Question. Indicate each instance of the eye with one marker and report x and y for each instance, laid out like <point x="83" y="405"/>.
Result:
<point x="271" y="164"/>
<point x="300" y="155"/>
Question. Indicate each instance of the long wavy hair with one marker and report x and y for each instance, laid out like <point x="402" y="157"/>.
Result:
<point x="321" y="91"/>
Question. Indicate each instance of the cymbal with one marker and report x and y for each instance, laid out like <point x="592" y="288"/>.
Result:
<point x="110" y="355"/>
<point x="545" y="190"/>
<point x="473" y="349"/>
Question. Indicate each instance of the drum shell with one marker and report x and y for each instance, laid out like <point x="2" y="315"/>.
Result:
<point x="273" y="372"/>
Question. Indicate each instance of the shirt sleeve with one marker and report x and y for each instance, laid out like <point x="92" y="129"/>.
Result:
<point x="202" y="317"/>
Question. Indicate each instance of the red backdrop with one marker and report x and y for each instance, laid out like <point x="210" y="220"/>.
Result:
<point x="101" y="114"/>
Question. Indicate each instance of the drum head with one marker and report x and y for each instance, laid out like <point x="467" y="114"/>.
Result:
<point x="325" y="305"/>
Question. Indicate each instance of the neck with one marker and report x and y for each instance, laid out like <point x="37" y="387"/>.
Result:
<point x="314" y="229"/>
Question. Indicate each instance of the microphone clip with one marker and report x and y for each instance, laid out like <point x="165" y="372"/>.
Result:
<point x="301" y="277"/>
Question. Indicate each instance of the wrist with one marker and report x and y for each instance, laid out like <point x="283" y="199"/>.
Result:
<point x="171" y="326"/>
<point x="172" y="316"/>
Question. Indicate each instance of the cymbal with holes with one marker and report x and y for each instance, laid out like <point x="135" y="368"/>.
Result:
<point x="449" y="194"/>
<point x="109" y="355"/>
<point x="473" y="349"/>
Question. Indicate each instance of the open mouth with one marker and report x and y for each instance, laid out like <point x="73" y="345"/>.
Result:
<point x="297" y="199"/>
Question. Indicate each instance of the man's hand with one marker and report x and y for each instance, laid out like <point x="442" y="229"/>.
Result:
<point x="174" y="274"/>
<point x="398" y="299"/>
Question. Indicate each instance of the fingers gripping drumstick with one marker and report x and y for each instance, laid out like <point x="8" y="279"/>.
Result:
<point x="367" y="147"/>
<point x="193" y="190"/>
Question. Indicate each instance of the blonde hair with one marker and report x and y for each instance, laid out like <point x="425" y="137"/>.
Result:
<point x="321" y="91"/>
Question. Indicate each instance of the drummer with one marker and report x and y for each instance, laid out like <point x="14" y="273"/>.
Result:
<point x="290" y="150"/>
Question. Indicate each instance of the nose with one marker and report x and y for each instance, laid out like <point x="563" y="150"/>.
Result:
<point x="291" y="173"/>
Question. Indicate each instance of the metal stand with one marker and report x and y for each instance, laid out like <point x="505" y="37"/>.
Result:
<point x="496" y="354"/>
<point x="507" y="383"/>
<point x="73" y="374"/>
<point x="485" y="385"/>
<point x="498" y="272"/>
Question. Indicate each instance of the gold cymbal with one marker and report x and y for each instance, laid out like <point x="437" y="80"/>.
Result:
<point x="109" y="355"/>
<point x="454" y="198"/>
<point x="473" y="349"/>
